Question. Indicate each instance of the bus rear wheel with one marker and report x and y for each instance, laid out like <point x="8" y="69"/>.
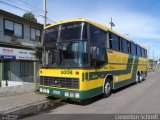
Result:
<point x="143" y="76"/>
<point x="107" y="88"/>
<point x="139" y="78"/>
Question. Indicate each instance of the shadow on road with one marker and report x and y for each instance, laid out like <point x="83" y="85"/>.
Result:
<point x="94" y="99"/>
<point x="99" y="97"/>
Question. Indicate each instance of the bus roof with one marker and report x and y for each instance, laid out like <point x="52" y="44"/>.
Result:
<point x="93" y="23"/>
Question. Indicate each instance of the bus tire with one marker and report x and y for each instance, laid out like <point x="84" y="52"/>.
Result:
<point x="107" y="88"/>
<point x="139" y="78"/>
<point x="143" y="76"/>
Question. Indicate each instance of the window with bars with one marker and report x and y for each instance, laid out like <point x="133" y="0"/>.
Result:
<point x="26" y="68"/>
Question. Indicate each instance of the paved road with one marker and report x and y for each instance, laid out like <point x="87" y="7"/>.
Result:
<point x="138" y="98"/>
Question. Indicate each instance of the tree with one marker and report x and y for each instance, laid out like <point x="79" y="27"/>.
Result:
<point x="38" y="53"/>
<point x="30" y="16"/>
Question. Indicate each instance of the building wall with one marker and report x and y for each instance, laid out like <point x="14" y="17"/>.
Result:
<point x="1" y="28"/>
<point x="26" y="33"/>
<point x="14" y="74"/>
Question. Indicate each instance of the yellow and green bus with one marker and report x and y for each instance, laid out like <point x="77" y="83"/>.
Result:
<point x="83" y="59"/>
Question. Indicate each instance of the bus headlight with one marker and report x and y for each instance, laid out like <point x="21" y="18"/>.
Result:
<point x="40" y="90"/>
<point x="47" y="91"/>
<point x="44" y="90"/>
<point x="66" y="94"/>
<point x="76" y="95"/>
<point x="71" y="94"/>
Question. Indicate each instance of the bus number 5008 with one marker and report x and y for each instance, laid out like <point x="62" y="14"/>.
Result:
<point x="66" y="72"/>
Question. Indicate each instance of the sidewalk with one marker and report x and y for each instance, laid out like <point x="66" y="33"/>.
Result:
<point x="19" y="89"/>
<point x="24" y="104"/>
<point x="10" y="102"/>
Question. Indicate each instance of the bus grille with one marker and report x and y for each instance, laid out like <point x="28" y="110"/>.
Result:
<point x="72" y="83"/>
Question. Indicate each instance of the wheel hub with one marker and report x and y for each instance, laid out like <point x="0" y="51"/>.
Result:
<point x="107" y="87"/>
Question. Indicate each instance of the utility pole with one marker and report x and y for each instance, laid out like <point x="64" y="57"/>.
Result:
<point x="45" y="23"/>
<point x="45" y="13"/>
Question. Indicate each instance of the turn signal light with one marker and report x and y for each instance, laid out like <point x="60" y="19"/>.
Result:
<point x="77" y="73"/>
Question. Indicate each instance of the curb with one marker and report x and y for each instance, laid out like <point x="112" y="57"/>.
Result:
<point x="28" y="110"/>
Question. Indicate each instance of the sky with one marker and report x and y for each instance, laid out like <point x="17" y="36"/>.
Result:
<point x="138" y="20"/>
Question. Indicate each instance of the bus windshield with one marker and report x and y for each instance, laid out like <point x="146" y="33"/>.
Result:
<point x="67" y="31"/>
<point x="66" y="45"/>
<point x="73" y="54"/>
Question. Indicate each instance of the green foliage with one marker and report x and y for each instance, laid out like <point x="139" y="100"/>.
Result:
<point x="38" y="53"/>
<point x="15" y="41"/>
<point x="30" y="16"/>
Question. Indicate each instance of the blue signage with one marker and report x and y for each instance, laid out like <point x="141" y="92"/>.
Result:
<point x="7" y="57"/>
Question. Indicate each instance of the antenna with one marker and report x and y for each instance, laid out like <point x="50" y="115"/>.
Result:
<point x="111" y="23"/>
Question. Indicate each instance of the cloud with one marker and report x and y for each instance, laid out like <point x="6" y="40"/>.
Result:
<point x="138" y="25"/>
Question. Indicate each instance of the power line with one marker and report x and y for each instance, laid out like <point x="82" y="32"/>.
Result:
<point x="15" y="6"/>
<point x="39" y="9"/>
<point x="22" y="9"/>
<point x="30" y="5"/>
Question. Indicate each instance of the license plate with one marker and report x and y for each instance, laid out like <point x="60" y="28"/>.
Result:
<point x="56" y="92"/>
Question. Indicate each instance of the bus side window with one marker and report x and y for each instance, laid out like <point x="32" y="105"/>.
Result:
<point x="142" y="52"/>
<point x="110" y="40"/>
<point x="138" y="51"/>
<point x="133" y="49"/>
<point x="129" y="47"/>
<point x="124" y="46"/>
<point x="114" y="41"/>
<point x="98" y="41"/>
<point x="145" y="53"/>
<point x="119" y="43"/>
<point x="97" y="37"/>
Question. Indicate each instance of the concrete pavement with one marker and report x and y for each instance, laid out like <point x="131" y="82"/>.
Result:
<point x="11" y="102"/>
<point x="142" y="98"/>
<point x="19" y="106"/>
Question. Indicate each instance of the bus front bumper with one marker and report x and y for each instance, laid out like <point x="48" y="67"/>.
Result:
<point x="71" y="94"/>
<point x="62" y="93"/>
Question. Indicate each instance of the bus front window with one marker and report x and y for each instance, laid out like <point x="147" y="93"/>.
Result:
<point x="50" y="55"/>
<point x="66" y="45"/>
<point x="73" y="54"/>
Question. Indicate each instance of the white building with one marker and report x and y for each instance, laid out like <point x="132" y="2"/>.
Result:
<point x="18" y="37"/>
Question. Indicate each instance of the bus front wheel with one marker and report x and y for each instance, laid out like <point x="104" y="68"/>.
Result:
<point x="107" y="88"/>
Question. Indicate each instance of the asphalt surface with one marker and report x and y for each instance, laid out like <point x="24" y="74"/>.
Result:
<point x="141" y="98"/>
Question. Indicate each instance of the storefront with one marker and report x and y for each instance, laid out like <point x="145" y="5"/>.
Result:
<point x="17" y="66"/>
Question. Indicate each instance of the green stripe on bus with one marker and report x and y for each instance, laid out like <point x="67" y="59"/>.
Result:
<point x="133" y="78"/>
<point x="116" y="72"/>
